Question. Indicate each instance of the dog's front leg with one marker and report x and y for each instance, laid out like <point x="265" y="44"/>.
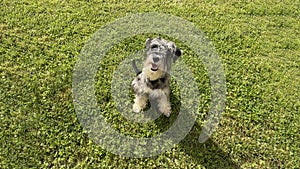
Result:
<point x="163" y="101"/>
<point x="140" y="102"/>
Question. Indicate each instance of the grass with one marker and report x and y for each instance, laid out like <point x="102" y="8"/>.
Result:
<point x="258" y="43"/>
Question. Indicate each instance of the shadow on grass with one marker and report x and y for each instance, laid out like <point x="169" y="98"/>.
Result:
<point x="207" y="154"/>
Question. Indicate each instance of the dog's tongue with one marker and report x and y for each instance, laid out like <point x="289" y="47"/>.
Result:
<point x="154" y="66"/>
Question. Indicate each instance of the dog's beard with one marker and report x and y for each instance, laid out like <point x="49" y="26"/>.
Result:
<point x="154" y="75"/>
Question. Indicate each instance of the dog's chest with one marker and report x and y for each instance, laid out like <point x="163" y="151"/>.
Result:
<point x="157" y="84"/>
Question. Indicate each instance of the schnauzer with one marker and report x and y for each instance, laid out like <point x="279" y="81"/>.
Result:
<point x="153" y="82"/>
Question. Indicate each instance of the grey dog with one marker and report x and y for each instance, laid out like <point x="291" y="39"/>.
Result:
<point x="153" y="82"/>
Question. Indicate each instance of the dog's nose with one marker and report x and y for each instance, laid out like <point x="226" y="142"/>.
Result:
<point x="155" y="59"/>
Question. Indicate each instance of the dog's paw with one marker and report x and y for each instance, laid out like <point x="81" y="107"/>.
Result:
<point x="166" y="111"/>
<point x="136" y="108"/>
<point x="167" y="114"/>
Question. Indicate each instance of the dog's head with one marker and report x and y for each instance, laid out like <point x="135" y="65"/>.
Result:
<point x="160" y="54"/>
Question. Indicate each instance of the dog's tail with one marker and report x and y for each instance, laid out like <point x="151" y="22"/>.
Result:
<point x="136" y="69"/>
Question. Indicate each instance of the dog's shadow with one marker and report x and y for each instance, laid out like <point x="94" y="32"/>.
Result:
<point x="208" y="154"/>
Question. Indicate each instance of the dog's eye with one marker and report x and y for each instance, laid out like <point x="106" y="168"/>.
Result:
<point x="154" y="46"/>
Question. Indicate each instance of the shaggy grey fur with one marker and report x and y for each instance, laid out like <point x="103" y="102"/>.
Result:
<point x="153" y="82"/>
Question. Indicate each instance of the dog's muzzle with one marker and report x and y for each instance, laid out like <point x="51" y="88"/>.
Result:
<point x="156" y="58"/>
<point x="154" y="67"/>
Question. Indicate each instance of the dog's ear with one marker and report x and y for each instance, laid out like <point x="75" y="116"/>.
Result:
<point x="148" y="42"/>
<point x="177" y="54"/>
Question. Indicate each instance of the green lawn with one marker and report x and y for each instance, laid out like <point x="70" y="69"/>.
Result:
<point x="258" y="43"/>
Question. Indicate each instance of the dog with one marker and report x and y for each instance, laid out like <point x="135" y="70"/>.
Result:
<point x="152" y="83"/>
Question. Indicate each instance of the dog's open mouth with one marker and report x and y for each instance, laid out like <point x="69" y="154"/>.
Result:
<point x="154" y="67"/>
